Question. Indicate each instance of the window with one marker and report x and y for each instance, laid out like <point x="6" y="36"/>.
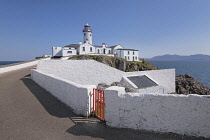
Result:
<point x="109" y="51"/>
<point x="84" y="34"/>
<point x="125" y="58"/>
<point x="83" y="49"/>
<point x="133" y="52"/>
<point x="70" y="48"/>
<point x="136" y="57"/>
<point x="98" y="51"/>
<point x="128" y="52"/>
<point x="90" y="34"/>
<point x="128" y="58"/>
<point x="91" y="49"/>
<point x="69" y="52"/>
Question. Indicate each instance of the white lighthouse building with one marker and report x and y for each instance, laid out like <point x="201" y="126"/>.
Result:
<point x="87" y="48"/>
<point x="87" y="34"/>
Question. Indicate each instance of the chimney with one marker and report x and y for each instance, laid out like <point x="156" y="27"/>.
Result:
<point x="103" y="44"/>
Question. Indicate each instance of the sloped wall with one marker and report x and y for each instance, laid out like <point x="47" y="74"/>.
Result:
<point x="88" y="72"/>
<point x="182" y="114"/>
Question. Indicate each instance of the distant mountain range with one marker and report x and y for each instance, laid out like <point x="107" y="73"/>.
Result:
<point x="168" y="57"/>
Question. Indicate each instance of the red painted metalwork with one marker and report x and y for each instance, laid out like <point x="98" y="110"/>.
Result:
<point x="98" y="103"/>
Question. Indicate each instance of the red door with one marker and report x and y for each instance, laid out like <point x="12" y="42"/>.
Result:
<point x="98" y="103"/>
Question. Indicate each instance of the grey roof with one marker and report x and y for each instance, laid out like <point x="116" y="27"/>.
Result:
<point x="113" y="46"/>
<point x="97" y="46"/>
<point x="128" y="49"/>
<point x="142" y="81"/>
<point x="73" y="45"/>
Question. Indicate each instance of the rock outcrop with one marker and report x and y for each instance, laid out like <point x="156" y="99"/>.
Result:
<point x="186" y="84"/>
<point x="103" y="86"/>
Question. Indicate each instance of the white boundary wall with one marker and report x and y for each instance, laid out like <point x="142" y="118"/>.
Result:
<point x="182" y="114"/>
<point x="74" y="95"/>
<point x="20" y="66"/>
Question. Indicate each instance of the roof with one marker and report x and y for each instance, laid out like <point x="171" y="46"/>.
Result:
<point x="97" y="46"/>
<point x="128" y="49"/>
<point x="113" y="46"/>
<point x="142" y="81"/>
<point x="73" y="45"/>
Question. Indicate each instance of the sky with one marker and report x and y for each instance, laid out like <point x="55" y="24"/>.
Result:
<point x="30" y="28"/>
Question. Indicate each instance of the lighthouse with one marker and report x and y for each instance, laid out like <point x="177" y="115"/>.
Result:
<point x="87" y="34"/>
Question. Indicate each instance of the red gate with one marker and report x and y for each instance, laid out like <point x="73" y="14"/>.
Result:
<point x="98" y="103"/>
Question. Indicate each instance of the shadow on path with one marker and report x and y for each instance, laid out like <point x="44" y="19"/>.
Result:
<point x="51" y="104"/>
<point x="92" y="128"/>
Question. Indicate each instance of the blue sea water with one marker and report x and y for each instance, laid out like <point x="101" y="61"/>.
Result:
<point x="200" y="70"/>
<point x="8" y="62"/>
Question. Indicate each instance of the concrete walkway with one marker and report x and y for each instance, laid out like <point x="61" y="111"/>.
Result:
<point x="28" y="112"/>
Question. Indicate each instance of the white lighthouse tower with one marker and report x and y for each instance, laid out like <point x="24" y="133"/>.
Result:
<point x="87" y="34"/>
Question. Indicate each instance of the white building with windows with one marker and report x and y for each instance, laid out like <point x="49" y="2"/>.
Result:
<point x="86" y="48"/>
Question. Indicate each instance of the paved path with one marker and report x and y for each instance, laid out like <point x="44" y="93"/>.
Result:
<point x="28" y="112"/>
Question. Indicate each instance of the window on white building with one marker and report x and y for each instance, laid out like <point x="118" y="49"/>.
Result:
<point x="90" y="34"/>
<point x="84" y="34"/>
<point x="128" y="58"/>
<point x="125" y="58"/>
<point x="133" y="52"/>
<point x="83" y="48"/>
<point x="109" y="51"/>
<point x="136" y="57"/>
<point x="98" y="51"/>
<point x="69" y="52"/>
<point x="91" y="49"/>
<point x="128" y="52"/>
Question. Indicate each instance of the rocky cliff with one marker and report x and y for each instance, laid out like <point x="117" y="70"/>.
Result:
<point x="186" y="84"/>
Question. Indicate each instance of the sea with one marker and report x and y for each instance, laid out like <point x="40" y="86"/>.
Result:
<point x="9" y="62"/>
<point x="200" y="70"/>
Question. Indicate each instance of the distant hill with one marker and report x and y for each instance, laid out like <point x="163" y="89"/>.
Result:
<point x="179" y="57"/>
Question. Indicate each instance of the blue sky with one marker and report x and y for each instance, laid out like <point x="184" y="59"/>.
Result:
<point x="29" y="28"/>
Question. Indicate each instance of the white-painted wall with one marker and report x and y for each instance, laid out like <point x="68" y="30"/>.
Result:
<point x="114" y="49"/>
<point x="87" y="72"/>
<point x="182" y="114"/>
<point x="69" y="52"/>
<point x="20" y="66"/>
<point x="87" y="37"/>
<point x="130" y="56"/>
<point x="57" y="51"/>
<point x="87" y="49"/>
<point x="164" y="78"/>
<point x="74" y="95"/>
